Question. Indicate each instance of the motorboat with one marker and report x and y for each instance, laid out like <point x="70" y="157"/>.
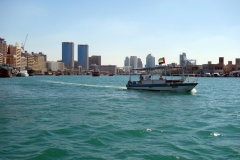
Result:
<point x="208" y="75"/>
<point x="175" y="83"/>
<point x="23" y="73"/>
<point x="216" y="75"/>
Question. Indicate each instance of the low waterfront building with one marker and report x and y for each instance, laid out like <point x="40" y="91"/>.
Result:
<point x="127" y="69"/>
<point x="39" y="63"/>
<point x="109" y="68"/>
<point x="61" y="66"/>
<point x="232" y="67"/>
<point x="52" y="66"/>
<point x="120" y="70"/>
<point x="214" y="68"/>
<point x="95" y="60"/>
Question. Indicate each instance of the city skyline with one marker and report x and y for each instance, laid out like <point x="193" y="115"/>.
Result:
<point x="204" y="30"/>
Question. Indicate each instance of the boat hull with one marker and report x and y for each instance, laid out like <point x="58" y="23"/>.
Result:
<point x="5" y="72"/>
<point x="95" y="74"/>
<point x="30" y="72"/>
<point x="23" y="73"/>
<point x="163" y="87"/>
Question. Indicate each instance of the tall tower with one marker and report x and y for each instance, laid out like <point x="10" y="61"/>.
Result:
<point x="127" y="62"/>
<point x="139" y="63"/>
<point x="133" y="62"/>
<point x="150" y="61"/>
<point x="83" y="56"/>
<point x="182" y="59"/>
<point x="68" y="54"/>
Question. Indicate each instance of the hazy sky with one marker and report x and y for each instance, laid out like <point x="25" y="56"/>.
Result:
<point x="114" y="29"/>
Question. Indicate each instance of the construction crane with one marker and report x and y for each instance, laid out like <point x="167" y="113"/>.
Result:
<point x="23" y="44"/>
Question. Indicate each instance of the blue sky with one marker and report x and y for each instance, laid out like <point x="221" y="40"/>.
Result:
<point x="114" y="29"/>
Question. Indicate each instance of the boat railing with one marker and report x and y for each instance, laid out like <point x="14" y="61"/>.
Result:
<point x="191" y="78"/>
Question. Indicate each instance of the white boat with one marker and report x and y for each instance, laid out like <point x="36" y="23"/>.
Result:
<point x="175" y="83"/>
<point x="208" y="75"/>
<point x="216" y="75"/>
<point x="23" y="73"/>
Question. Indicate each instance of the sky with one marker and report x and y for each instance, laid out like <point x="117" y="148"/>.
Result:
<point x="115" y="29"/>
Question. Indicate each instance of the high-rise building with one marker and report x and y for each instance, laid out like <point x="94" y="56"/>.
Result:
<point x="150" y="61"/>
<point x="133" y="63"/>
<point x="139" y="63"/>
<point x="83" y="56"/>
<point x="13" y="56"/>
<point x="68" y="54"/>
<point x="183" y="59"/>
<point x="127" y="62"/>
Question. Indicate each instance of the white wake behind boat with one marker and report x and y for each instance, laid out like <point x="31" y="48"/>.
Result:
<point x="180" y="83"/>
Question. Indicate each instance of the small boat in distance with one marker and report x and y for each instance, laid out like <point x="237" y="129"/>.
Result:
<point x="95" y="71"/>
<point x="23" y="73"/>
<point x="182" y="83"/>
<point x="111" y="74"/>
<point x="30" y="71"/>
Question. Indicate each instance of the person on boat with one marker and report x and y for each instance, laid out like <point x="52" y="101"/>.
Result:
<point x="149" y="78"/>
<point x="160" y="78"/>
<point x="140" y="77"/>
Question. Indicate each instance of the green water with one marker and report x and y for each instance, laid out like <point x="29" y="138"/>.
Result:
<point x="85" y="117"/>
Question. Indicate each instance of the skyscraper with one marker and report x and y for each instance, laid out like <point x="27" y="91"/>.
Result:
<point x="68" y="54"/>
<point x="182" y="59"/>
<point x="133" y="62"/>
<point x="150" y="61"/>
<point x="83" y="56"/>
<point x="139" y="63"/>
<point x="126" y="62"/>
